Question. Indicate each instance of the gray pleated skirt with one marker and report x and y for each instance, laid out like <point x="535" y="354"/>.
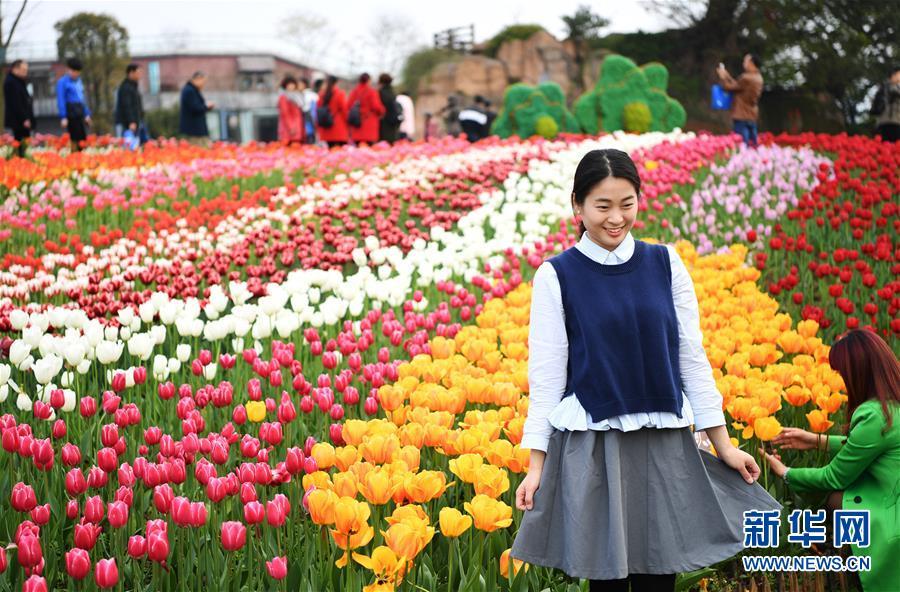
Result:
<point x="647" y="501"/>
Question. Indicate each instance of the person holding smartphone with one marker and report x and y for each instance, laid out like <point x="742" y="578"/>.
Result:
<point x="747" y="89"/>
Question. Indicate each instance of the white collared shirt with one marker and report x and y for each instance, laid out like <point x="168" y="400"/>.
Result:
<point x="549" y="351"/>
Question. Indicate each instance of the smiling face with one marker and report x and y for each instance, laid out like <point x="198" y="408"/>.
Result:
<point x="608" y="211"/>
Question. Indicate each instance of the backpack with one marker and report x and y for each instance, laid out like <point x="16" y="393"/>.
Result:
<point x="324" y="118"/>
<point x="398" y="109"/>
<point x="354" y="116"/>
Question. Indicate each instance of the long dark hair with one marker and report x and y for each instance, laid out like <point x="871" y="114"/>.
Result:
<point x="869" y="369"/>
<point x="596" y="166"/>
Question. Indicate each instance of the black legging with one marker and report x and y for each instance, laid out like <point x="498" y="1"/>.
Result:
<point x="639" y="583"/>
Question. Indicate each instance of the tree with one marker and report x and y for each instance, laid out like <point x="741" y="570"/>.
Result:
<point x="6" y="40"/>
<point x="392" y="37"/>
<point x="582" y="28"/>
<point x="312" y="35"/>
<point x="101" y="43"/>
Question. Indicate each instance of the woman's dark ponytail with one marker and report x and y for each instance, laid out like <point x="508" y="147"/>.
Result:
<point x="596" y="166"/>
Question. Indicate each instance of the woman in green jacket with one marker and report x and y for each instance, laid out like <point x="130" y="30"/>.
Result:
<point x="865" y="463"/>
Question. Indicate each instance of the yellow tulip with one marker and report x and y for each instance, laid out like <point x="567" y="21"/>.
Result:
<point x="385" y="564"/>
<point x="407" y="512"/>
<point x="324" y="454"/>
<point x="766" y="428"/>
<point x="321" y="504"/>
<point x="376" y="487"/>
<point x="453" y="523"/>
<point x="491" y="480"/>
<point x="425" y="485"/>
<point x="489" y="514"/>
<point x="256" y="411"/>
<point x="345" y="484"/>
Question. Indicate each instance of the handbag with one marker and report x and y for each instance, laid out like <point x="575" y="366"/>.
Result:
<point x="721" y="98"/>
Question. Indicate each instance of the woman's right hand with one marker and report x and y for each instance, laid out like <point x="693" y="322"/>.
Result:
<point x="797" y="439"/>
<point x="526" y="490"/>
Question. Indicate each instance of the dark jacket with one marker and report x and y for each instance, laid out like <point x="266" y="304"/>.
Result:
<point x="129" y="108"/>
<point x="193" y="112"/>
<point x="18" y="103"/>
<point x="390" y="121"/>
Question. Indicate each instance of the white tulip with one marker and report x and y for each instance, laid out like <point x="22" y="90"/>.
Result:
<point x="109" y="352"/>
<point x="67" y="378"/>
<point x="83" y="367"/>
<point x="262" y="328"/>
<point x="23" y="403"/>
<point x="93" y="333"/>
<point x="158" y="334"/>
<point x="5" y="371"/>
<point x="32" y="335"/>
<point x="147" y="311"/>
<point x="237" y="344"/>
<point x="126" y="315"/>
<point x="18" y="319"/>
<point x="58" y="317"/>
<point x="209" y="371"/>
<point x="111" y="333"/>
<point x="183" y="352"/>
<point x="160" y="364"/>
<point x="47" y="368"/>
<point x="69" y="399"/>
<point x="26" y="364"/>
<point x="141" y="345"/>
<point x="4" y="393"/>
<point x="174" y="366"/>
<point x="125" y="333"/>
<point x="74" y="353"/>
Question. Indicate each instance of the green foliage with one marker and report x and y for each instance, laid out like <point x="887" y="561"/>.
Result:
<point x="101" y="43"/>
<point x="162" y="123"/>
<point x="636" y="117"/>
<point x="508" y="34"/>
<point x="623" y="83"/>
<point x="527" y="109"/>
<point x="420" y="63"/>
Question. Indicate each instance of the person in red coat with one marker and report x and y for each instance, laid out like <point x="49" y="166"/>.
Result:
<point x="336" y="101"/>
<point x="371" y="111"/>
<point x="290" y="116"/>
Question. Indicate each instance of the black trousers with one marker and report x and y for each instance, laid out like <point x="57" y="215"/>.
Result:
<point x="638" y="582"/>
<point x="21" y="135"/>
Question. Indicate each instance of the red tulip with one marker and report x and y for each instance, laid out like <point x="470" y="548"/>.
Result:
<point x="118" y="514"/>
<point x="78" y="563"/>
<point x="137" y="546"/>
<point x="59" y="429"/>
<point x="157" y="546"/>
<point x="277" y="567"/>
<point x="107" y="459"/>
<point x="29" y="552"/>
<point x="34" y="583"/>
<point x="72" y="509"/>
<point x="4" y="561"/>
<point x="23" y="498"/>
<point x="86" y="534"/>
<point x="71" y="455"/>
<point x="87" y="406"/>
<point x="234" y="535"/>
<point x="275" y="514"/>
<point x="106" y="573"/>
<point x="254" y="512"/>
<point x="41" y="514"/>
<point x="94" y="509"/>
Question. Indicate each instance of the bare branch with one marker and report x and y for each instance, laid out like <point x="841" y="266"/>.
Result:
<point x="15" y="24"/>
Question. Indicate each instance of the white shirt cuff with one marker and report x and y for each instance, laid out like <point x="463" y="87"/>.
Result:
<point x="708" y="418"/>
<point x="535" y="442"/>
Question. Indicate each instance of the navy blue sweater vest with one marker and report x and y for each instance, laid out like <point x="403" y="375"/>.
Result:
<point x="622" y="332"/>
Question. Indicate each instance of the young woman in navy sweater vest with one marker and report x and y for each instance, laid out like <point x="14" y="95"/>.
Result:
<point x="617" y="491"/>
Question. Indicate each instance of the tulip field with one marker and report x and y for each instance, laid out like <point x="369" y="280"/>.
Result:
<point x="262" y="367"/>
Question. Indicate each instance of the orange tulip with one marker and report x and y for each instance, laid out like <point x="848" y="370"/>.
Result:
<point x="766" y="428"/>
<point x="376" y="487"/>
<point x="321" y="506"/>
<point x="504" y="564"/>
<point x="491" y="480"/>
<point x="818" y="421"/>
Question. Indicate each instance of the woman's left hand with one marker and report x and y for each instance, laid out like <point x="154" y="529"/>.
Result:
<point x="778" y="467"/>
<point x="741" y="462"/>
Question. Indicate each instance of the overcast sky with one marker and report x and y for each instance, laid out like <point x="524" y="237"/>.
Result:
<point x="154" y="26"/>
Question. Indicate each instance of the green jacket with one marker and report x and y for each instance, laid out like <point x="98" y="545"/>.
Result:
<point x="866" y="466"/>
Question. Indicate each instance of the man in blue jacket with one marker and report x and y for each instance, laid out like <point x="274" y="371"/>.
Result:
<point x="193" y="109"/>
<point x="75" y="116"/>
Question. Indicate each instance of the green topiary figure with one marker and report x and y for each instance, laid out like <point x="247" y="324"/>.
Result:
<point x="630" y="98"/>
<point x="529" y="110"/>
